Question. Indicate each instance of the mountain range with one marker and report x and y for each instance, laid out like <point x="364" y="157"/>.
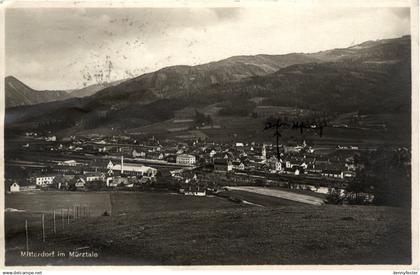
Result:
<point x="374" y="76"/>
<point x="19" y="94"/>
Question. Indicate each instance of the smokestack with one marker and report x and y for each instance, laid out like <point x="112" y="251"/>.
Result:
<point x="122" y="164"/>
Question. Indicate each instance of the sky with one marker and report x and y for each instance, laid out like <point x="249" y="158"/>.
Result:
<point x="69" y="48"/>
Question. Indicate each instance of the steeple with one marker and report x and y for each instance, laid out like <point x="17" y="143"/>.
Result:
<point x="264" y="153"/>
<point x="122" y="164"/>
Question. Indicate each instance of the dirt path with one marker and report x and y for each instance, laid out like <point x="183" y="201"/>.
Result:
<point x="279" y="194"/>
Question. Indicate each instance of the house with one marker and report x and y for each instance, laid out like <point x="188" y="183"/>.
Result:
<point x="212" y="153"/>
<point x="293" y="149"/>
<point x="185" y="159"/>
<point x="294" y="170"/>
<point x="14" y="187"/>
<point x="238" y="165"/>
<point x="155" y="155"/>
<point x="94" y="176"/>
<point x="80" y="183"/>
<point x="349" y="174"/>
<point x="64" y="181"/>
<point x="171" y="158"/>
<point x="116" y="181"/>
<point x="333" y="174"/>
<point x="68" y="163"/>
<point x="126" y="151"/>
<point x="44" y="180"/>
<point x="198" y="193"/>
<point x="193" y="191"/>
<point x="222" y="165"/>
<point x="51" y="138"/>
<point x="138" y="154"/>
<point x="275" y="164"/>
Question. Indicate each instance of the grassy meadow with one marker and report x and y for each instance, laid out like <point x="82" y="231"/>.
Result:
<point x="170" y="229"/>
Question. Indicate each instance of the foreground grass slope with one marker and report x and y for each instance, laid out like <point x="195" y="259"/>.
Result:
<point x="245" y="236"/>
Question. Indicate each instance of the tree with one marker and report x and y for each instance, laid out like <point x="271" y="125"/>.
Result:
<point x="334" y="197"/>
<point x="201" y="119"/>
<point x="390" y="177"/>
<point x="358" y="187"/>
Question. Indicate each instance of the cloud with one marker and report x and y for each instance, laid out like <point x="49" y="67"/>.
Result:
<point x="66" y="48"/>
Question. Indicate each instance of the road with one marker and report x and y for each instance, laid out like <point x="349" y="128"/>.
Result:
<point x="279" y="194"/>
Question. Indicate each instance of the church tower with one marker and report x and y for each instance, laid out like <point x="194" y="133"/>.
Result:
<point x="264" y="153"/>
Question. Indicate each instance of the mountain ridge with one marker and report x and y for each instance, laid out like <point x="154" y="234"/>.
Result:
<point x="351" y="78"/>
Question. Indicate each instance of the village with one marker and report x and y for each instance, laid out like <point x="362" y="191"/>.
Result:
<point x="192" y="167"/>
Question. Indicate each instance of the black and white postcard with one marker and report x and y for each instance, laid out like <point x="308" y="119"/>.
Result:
<point x="210" y="134"/>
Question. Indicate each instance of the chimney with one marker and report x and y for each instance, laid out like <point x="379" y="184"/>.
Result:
<point x="122" y="164"/>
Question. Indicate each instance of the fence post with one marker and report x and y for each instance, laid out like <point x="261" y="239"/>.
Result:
<point x="27" y="235"/>
<point x="54" y="229"/>
<point x="62" y="219"/>
<point x="43" y="227"/>
<point x="68" y="215"/>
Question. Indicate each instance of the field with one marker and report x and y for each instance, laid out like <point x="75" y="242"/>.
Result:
<point x="31" y="205"/>
<point x="247" y="129"/>
<point x="261" y="194"/>
<point x="150" y="202"/>
<point x="171" y="229"/>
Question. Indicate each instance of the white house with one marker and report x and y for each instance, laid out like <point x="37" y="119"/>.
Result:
<point x="185" y="159"/>
<point x="14" y="187"/>
<point x="94" y="176"/>
<point x="349" y="174"/>
<point x="238" y="165"/>
<point x="201" y="193"/>
<point x="80" y="183"/>
<point x="333" y="174"/>
<point x="51" y="138"/>
<point x="44" y="180"/>
<point x="68" y="163"/>
<point x="193" y="191"/>
<point x="278" y="165"/>
<point x="138" y="154"/>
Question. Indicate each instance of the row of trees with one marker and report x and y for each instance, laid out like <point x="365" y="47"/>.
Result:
<point x="386" y="176"/>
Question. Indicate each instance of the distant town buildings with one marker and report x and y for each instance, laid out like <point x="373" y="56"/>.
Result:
<point x="185" y="159"/>
<point x="14" y="187"/>
<point x="44" y="180"/>
<point x="198" y="165"/>
<point x="131" y="169"/>
<point x="222" y="165"/>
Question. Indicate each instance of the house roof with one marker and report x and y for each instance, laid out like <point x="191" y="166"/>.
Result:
<point x="186" y="156"/>
<point x="332" y="171"/>
<point x="45" y="176"/>
<point x="134" y="168"/>
<point x="221" y="161"/>
<point x="93" y="174"/>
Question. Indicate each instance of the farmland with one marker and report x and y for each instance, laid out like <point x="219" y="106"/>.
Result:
<point x="246" y="128"/>
<point x="163" y="228"/>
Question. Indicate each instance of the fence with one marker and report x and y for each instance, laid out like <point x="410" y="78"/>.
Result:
<point x="58" y="221"/>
